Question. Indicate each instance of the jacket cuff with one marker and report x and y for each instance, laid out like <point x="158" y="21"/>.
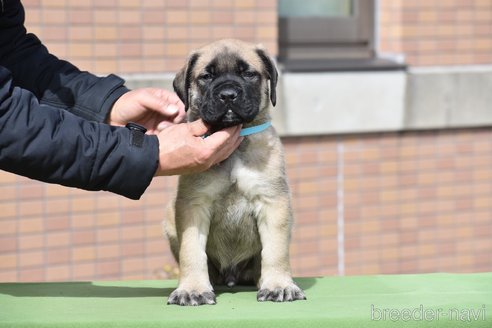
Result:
<point x="95" y="107"/>
<point x="108" y="103"/>
<point x="137" y="166"/>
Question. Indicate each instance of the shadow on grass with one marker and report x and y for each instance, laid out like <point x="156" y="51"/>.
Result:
<point x="88" y="289"/>
<point x="81" y="289"/>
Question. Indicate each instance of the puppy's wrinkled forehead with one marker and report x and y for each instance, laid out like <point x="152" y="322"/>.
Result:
<point x="228" y="57"/>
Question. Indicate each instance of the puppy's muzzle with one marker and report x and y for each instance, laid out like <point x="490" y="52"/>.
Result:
<point x="225" y="107"/>
<point x="228" y="95"/>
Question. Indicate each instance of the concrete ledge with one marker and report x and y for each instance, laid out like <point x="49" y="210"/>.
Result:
<point x="442" y="97"/>
<point x="320" y="103"/>
<point x="357" y="102"/>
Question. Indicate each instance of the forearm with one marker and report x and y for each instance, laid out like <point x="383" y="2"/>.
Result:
<point x="51" y="145"/>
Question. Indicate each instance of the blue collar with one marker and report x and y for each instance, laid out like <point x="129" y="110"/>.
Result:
<point x="255" y="129"/>
<point x="251" y="130"/>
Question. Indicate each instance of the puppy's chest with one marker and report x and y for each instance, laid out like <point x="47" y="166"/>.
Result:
<point x="240" y="191"/>
<point x="248" y="181"/>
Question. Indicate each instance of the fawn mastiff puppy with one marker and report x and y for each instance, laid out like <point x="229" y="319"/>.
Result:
<point x="231" y="224"/>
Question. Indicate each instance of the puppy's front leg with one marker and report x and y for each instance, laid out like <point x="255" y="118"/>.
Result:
<point x="192" y="223"/>
<point x="276" y="282"/>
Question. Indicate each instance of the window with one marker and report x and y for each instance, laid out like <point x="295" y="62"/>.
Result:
<point x="327" y="35"/>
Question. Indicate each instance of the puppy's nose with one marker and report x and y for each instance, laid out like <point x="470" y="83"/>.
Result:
<point x="227" y="95"/>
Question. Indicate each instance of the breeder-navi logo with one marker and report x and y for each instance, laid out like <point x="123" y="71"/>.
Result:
<point x="423" y="314"/>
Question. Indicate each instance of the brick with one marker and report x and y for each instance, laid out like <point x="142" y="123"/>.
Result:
<point x="154" y="49"/>
<point x="8" y="194"/>
<point x="111" y="251"/>
<point x="131" y="34"/>
<point x="83" y="237"/>
<point x="222" y="17"/>
<point x="177" y="49"/>
<point x="133" y="249"/>
<point x="265" y="33"/>
<point x="130" y="49"/>
<point x="222" y="32"/>
<point x="58" y="239"/>
<point x="132" y="233"/>
<point x="32" y="225"/>
<point x="30" y="191"/>
<point x="58" y="273"/>
<point x="244" y="4"/>
<point x="8" y="210"/>
<point x="107" y="219"/>
<point x="132" y="265"/>
<point x="222" y="3"/>
<point x="134" y="4"/>
<point x="78" y="33"/>
<point x="177" y="17"/>
<point x="54" y="223"/>
<point x="58" y="256"/>
<point x="30" y="242"/>
<point x="108" y="268"/>
<point x="245" y="17"/>
<point x="31" y="275"/>
<point x="126" y="17"/>
<point x="80" y="50"/>
<point x="107" y="235"/>
<point x="31" y="258"/>
<point x="133" y="216"/>
<point x="8" y="244"/>
<point x="31" y="208"/>
<point x="83" y="271"/>
<point x="83" y="253"/>
<point x="53" y="3"/>
<point x="177" y="3"/>
<point x="105" y="33"/>
<point x="8" y="275"/>
<point x="54" y="17"/>
<point x="200" y="17"/>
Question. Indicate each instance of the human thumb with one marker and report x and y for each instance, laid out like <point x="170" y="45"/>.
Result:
<point x="198" y="128"/>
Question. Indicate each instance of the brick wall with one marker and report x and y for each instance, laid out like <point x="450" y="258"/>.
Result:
<point x="437" y="32"/>
<point x="154" y="36"/>
<point x="145" y="36"/>
<point x="410" y="202"/>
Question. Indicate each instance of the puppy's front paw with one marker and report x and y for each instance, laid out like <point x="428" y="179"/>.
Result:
<point x="193" y="298"/>
<point x="281" y="294"/>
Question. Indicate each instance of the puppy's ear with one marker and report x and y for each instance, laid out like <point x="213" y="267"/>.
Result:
<point x="272" y="74"/>
<point x="182" y="80"/>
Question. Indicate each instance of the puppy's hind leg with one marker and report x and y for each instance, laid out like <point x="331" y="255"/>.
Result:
<point x="192" y="226"/>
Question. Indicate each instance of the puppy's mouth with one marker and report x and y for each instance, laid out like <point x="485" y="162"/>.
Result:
<point x="227" y="120"/>
<point x="227" y="106"/>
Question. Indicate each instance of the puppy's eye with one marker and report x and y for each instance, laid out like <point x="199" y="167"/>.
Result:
<point x="249" y="74"/>
<point x="206" y="77"/>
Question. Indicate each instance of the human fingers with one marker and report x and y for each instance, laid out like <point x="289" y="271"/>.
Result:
<point x="175" y="102"/>
<point x="198" y="128"/>
<point x="217" y="139"/>
<point x="161" y="101"/>
<point x="223" y="143"/>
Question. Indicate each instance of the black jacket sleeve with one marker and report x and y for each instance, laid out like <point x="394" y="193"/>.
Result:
<point x="53" y="145"/>
<point x="41" y="138"/>
<point x="53" y="81"/>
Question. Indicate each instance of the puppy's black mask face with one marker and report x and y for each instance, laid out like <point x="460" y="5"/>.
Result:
<point x="230" y="92"/>
<point x="229" y="88"/>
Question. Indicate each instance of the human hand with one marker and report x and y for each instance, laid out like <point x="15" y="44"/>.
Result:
<point x="155" y="109"/>
<point x="182" y="150"/>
